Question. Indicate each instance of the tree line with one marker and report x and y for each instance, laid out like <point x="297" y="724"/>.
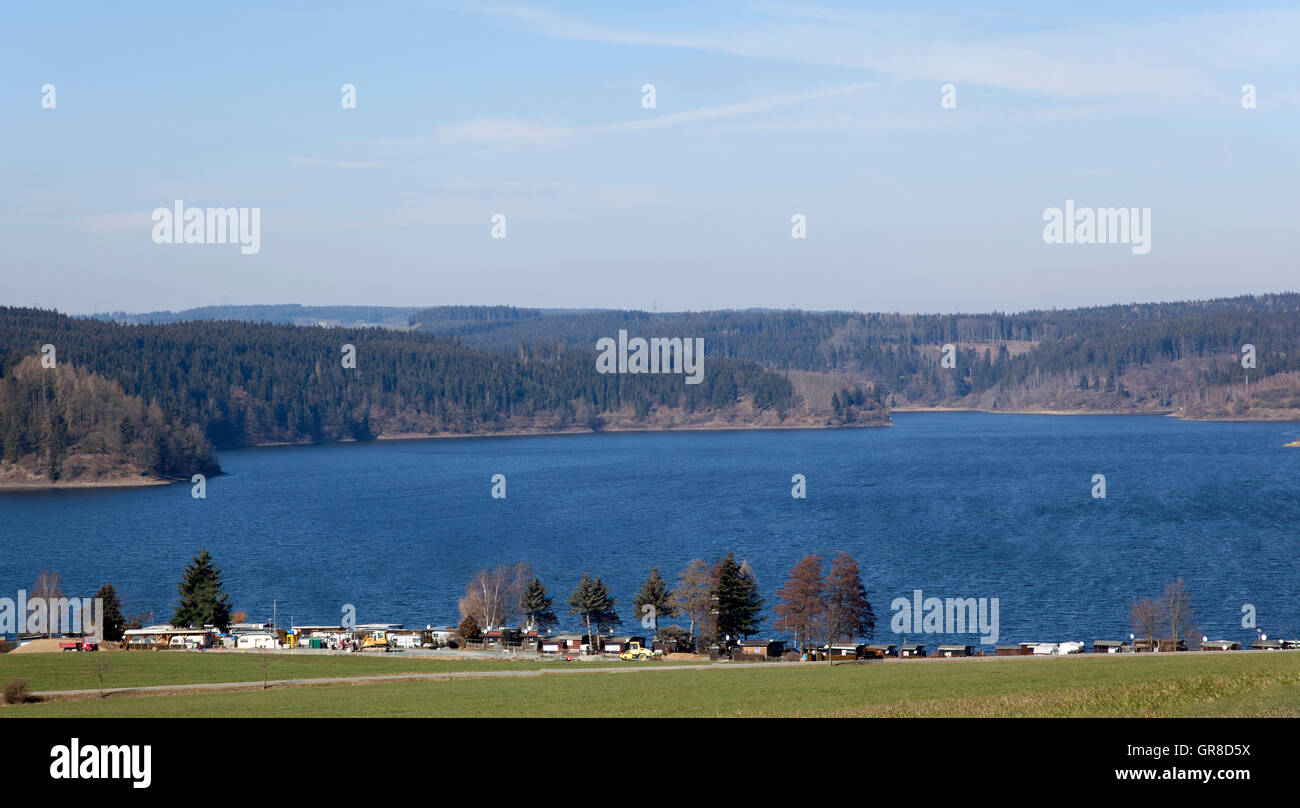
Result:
<point x="719" y="602"/>
<point x="1102" y="349"/>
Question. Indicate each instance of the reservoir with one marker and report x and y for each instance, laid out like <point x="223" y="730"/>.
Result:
<point x="965" y="505"/>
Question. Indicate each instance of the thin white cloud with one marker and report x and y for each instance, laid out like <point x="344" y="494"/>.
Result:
<point x="730" y="110"/>
<point x="1166" y="56"/>
<point x="496" y="131"/>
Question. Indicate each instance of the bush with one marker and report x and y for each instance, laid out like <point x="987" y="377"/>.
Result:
<point x="15" y="692"/>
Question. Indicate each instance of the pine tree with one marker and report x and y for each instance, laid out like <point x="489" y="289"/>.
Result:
<point x="591" y="602"/>
<point x="538" y="606"/>
<point x="203" y="600"/>
<point x="738" y="602"/>
<point x="655" y="594"/>
<point x="113" y="623"/>
<point x="848" y="611"/>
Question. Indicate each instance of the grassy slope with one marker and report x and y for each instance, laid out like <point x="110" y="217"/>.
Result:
<point x="1230" y="684"/>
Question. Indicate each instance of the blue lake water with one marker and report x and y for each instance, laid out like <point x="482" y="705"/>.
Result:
<point x="957" y="505"/>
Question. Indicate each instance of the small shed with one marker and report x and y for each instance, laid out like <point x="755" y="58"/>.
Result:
<point x="955" y="650"/>
<point x="1220" y="645"/>
<point x="879" y="650"/>
<point x="1007" y="650"/>
<point x="768" y="649"/>
<point x="911" y="650"/>
<point x="1266" y="645"/>
<point x="564" y="644"/>
<point x="1108" y="646"/>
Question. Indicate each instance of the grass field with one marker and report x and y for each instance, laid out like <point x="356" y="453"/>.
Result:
<point x="1248" y="684"/>
<point x="136" y="668"/>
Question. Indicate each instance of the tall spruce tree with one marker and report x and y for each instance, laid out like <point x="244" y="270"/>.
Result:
<point x="204" y="601"/>
<point x="591" y="602"/>
<point x="655" y="594"/>
<point x="538" y="606"/>
<point x="113" y="623"/>
<point x="738" y="602"/>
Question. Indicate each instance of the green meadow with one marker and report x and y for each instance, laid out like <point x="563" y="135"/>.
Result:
<point x="77" y="671"/>
<point x="1245" y="684"/>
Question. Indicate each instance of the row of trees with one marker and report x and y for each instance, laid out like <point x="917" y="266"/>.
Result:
<point x="203" y="600"/>
<point x="720" y="602"/>
<point x="825" y="606"/>
<point x="48" y="587"/>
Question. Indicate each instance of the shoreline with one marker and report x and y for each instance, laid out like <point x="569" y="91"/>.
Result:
<point x="7" y="486"/>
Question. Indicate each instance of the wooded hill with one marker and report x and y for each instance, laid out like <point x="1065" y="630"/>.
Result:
<point x="1139" y="357"/>
<point x="64" y="424"/>
<point x="246" y="383"/>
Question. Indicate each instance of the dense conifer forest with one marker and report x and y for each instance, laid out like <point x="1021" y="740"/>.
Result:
<point x="1121" y="357"/>
<point x="229" y="383"/>
<point x="154" y="394"/>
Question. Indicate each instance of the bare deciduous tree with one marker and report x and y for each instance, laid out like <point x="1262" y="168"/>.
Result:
<point x="1171" y="617"/>
<point x="1144" y="616"/>
<point x="1179" y="616"/>
<point x="693" y="596"/>
<point x="49" y="589"/>
<point x="264" y="660"/>
<point x="495" y="597"/>
<point x="101" y="665"/>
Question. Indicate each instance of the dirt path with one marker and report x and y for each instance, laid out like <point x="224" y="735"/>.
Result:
<point x="386" y="677"/>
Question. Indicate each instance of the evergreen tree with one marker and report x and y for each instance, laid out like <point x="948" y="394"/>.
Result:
<point x="113" y="623"/>
<point x="538" y="606"/>
<point x="469" y="629"/>
<point x="738" y="602"/>
<point x="655" y="594"/>
<point x="591" y="602"/>
<point x="204" y="601"/>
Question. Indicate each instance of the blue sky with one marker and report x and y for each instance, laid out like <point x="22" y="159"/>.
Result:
<point x="763" y="110"/>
